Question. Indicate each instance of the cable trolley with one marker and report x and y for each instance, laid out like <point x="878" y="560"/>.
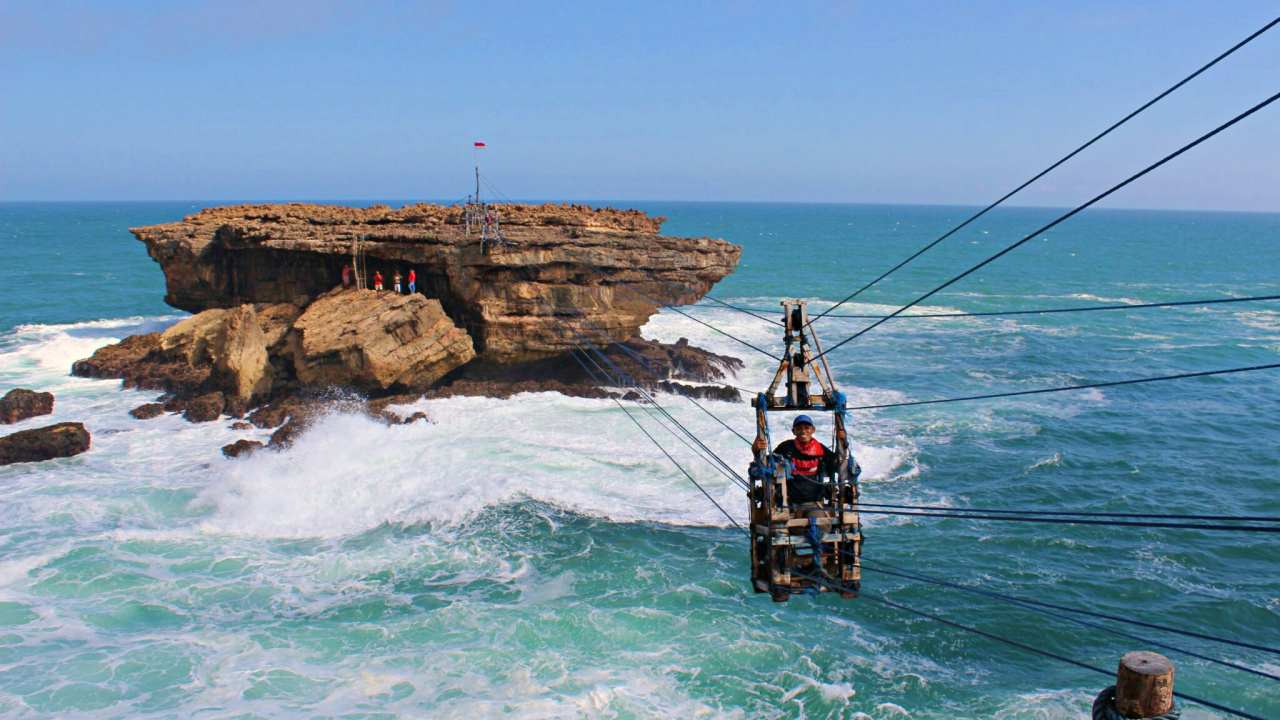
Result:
<point x="806" y="535"/>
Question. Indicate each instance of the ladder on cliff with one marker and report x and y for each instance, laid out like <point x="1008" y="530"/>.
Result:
<point x="357" y="263"/>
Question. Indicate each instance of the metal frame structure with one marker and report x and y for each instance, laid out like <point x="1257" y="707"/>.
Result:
<point x="828" y="543"/>
<point x="479" y="214"/>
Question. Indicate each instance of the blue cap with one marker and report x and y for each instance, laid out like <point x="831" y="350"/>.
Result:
<point x="802" y="419"/>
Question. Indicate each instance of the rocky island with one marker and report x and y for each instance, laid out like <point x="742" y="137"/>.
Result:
<point x="274" y="327"/>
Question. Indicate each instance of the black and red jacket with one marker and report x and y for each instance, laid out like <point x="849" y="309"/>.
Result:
<point x="807" y="464"/>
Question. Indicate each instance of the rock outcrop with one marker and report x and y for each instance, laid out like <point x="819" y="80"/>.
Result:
<point x="20" y="404"/>
<point x="139" y="363"/>
<point x="232" y="344"/>
<point x="240" y="447"/>
<point x="229" y="360"/>
<point x="146" y="411"/>
<point x="567" y="272"/>
<point x="272" y="332"/>
<point x="55" y="441"/>
<point x="375" y="341"/>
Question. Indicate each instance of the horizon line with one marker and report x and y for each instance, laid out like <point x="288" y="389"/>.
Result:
<point x="611" y="202"/>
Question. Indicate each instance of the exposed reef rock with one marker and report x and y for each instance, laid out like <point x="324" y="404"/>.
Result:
<point x="55" y="441"/>
<point x="147" y="411"/>
<point x="240" y="447"/>
<point x="19" y="404"/>
<point x="568" y="272"/>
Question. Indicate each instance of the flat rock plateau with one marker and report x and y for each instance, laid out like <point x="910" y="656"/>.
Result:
<point x="273" y="325"/>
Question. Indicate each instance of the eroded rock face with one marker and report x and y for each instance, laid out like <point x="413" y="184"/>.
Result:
<point x="20" y="404"/>
<point x="568" y="273"/>
<point x="233" y="345"/>
<point x="55" y="441"/>
<point x="377" y="340"/>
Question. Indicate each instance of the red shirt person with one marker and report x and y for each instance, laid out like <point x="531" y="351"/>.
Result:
<point x="413" y="281"/>
<point x="808" y="458"/>
<point x="377" y="280"/>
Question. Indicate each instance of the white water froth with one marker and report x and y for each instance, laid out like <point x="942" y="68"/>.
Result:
<point x="44" y="353"/>
<point x="1260" y="319"/>
<point x="349" y="473"/>
<point x="1101" y="299"/>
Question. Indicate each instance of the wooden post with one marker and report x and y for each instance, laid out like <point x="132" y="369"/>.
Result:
<point x="1144" y="685"/>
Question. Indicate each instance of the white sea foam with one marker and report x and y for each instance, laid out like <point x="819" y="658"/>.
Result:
<point x="14" y="571"/>
<point x="44" y="353"/>
<point x="1046" y="705"/>
<point x="1268" y="320"/>
<point x="348" y="473"/>
<point x="1102" y="299"/>
<point x="1053" y="460"/>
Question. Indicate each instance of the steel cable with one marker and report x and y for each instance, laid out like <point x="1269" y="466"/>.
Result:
<point x="640" y="359"/>
<point x="1091" y="613"/>
<point x="1074" y="513"/>
<point x="622" y="376"/>
<point x="1041" y="391"/>
<point x="748" y="311"/>
<point x="1014" y="643"/>
<point x="1079" y="521"/>
<point x="1062" y="218"/>
<point x="1078" y="621"/>
<point x="1051" y="311"/>
<point x="679" y="467"/>
<point x="715" y="459"/>
<point x="1049" y="169"/>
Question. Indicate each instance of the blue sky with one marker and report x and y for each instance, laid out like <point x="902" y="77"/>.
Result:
<point x="917" y="102"/>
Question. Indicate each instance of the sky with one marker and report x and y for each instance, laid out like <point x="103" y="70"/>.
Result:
<point x="886" y="102"/>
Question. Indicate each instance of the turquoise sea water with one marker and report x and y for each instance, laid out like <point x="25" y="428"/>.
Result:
<point x="537" y="558"/>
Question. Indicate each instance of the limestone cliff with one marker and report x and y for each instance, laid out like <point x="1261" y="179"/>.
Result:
<point x="568" y="271"/>
<point x="273" y="331"/>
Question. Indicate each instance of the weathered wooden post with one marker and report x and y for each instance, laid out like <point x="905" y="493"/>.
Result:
<point x="1144" y="689"/>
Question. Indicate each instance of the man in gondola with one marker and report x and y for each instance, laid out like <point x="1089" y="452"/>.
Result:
<point x="810" y="460"/>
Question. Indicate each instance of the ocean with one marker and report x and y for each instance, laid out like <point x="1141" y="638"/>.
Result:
<point x="538" y="558"/>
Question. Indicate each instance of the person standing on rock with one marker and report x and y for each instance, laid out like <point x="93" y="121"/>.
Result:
<point x="413" y="281"/>
<point x="377" y="279"/>
<point x="395" y="282"/>
<point x="346" y="275"/>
